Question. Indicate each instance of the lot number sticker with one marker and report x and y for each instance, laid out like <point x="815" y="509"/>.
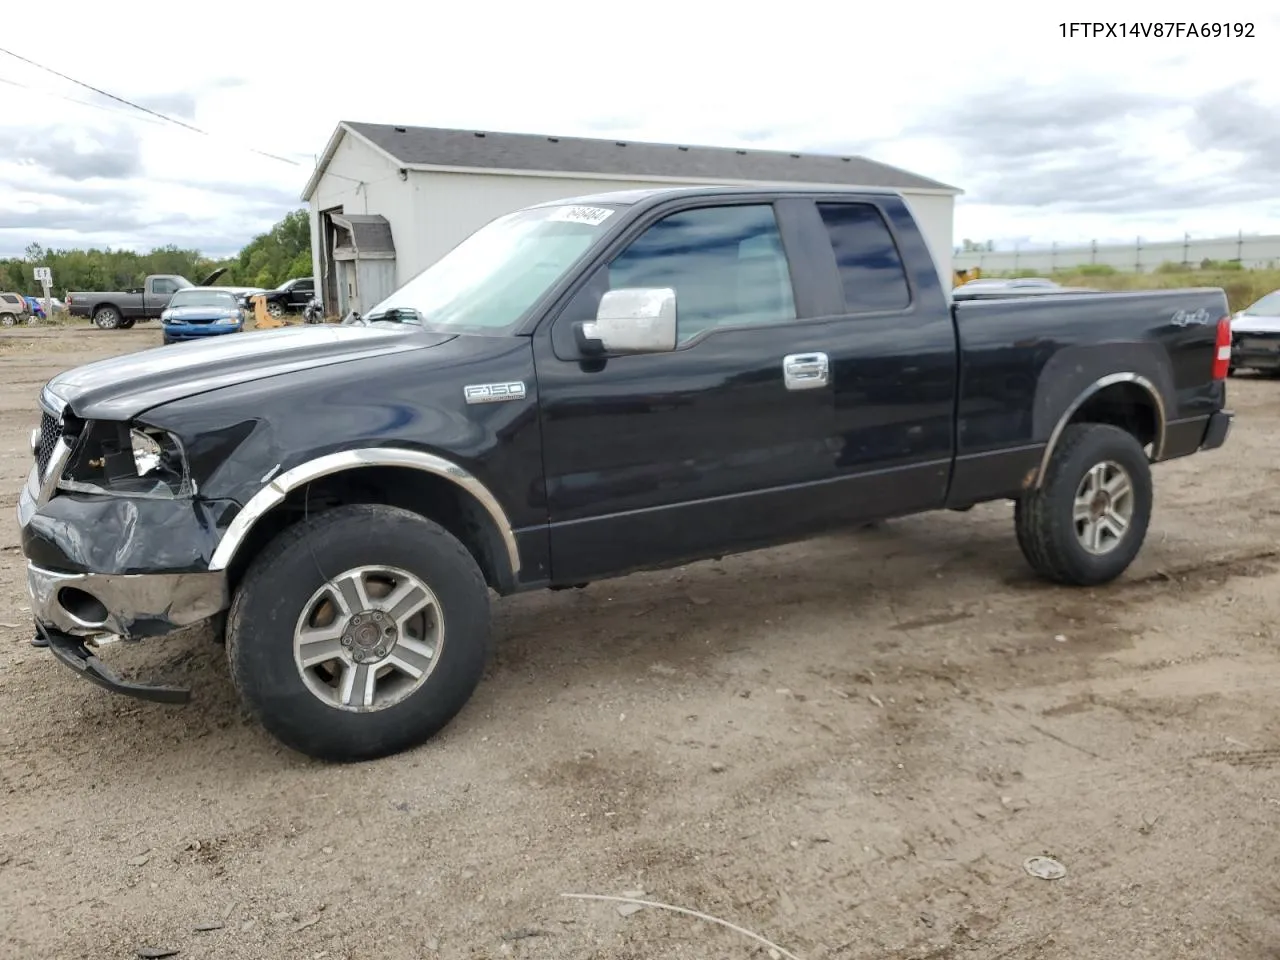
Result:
<point x="592" y="216"/>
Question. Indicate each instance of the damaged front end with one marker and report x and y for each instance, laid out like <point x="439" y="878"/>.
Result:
<point x="116" y="538"/>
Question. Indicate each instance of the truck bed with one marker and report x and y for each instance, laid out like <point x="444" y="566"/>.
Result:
<point x="1023" y="360"/>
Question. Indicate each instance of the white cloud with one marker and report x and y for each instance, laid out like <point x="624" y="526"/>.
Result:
<point x="1053" y="138"/>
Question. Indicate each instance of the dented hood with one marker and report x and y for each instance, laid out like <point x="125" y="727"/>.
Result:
<point x="123" y="387"/>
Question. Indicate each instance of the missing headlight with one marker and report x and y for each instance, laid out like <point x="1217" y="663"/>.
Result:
<point x="128" y="460"/>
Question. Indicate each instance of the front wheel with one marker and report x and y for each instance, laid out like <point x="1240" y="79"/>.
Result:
<point x="1087" y="522"/>
<point x="276" y="310"/>
<point x="359" y="633"/>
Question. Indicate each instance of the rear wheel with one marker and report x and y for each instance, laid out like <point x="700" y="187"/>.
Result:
<point x="359" y="633"/>
<point x="8" y="319"/>
<point x="1087" y="522"/>
<point x="106" y="318"/>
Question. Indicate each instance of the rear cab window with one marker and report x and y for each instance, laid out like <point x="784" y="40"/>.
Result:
<point x="872" y="273"/>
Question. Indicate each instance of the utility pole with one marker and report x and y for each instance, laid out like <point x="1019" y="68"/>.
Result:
<point x="1186" y="243"/>
<point x="1137" y="257"/>
<point x="1053" y="257"/>
<point x="1093" y="252"/>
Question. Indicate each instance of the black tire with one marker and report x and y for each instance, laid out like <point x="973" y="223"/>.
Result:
<point x="106" y="318"/>
<point x="8" y="320"/>
<point x="276" y="588"/>
<point x="1043" y="519"/>
<point x="275" y="310"/>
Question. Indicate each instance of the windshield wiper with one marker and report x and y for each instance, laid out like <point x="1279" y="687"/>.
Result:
<point x="397" y="315"/>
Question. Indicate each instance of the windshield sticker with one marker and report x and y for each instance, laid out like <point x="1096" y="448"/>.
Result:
<point x="592" y="216"/>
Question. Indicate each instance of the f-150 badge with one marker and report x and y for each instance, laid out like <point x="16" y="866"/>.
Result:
<point x="494" y="392"/>
<point x="1187" y="318"/>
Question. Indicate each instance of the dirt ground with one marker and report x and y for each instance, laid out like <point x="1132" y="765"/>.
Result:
<point x="848" y="747"/>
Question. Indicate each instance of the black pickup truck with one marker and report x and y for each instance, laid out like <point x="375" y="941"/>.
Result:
<point x="581" y="389"/>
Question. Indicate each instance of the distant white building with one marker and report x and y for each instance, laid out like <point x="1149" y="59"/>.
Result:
<point x="387" y="201"/>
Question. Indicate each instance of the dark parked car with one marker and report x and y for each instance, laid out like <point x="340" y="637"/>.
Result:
<point x="579" y="390"/>
<point x="290" y="297"/>
<point x="121" y="309"/>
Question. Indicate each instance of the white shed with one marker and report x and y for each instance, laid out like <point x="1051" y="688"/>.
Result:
<point x="387" y="201"/>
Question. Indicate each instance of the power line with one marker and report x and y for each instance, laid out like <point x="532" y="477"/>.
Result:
<point x="102" y="93"/>
<point x="136" y="106"/>
<point x="84" y="103"/>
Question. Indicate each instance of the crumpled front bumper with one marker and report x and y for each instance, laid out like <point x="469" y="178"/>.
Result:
<point x="106" y="569"/>
<point x="74" y="653"/>
<point x="126" y="605"/>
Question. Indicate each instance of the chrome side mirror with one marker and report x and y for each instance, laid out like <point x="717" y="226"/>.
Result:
<point x="638" y="320"/>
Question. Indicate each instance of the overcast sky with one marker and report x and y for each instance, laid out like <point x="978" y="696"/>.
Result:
<point x="1051" y="138"/>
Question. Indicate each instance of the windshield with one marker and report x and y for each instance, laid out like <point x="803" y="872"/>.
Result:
<point x="203" y="298"/>
<point x="488" y="282"/>
<point x="1268" y="306"/>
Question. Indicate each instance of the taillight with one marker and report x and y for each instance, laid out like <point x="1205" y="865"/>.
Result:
<point x="1222" y="350"/>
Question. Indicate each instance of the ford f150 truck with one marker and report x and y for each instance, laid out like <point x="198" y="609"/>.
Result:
<point x="121" y="309"/>
<point x="579" y="390"/>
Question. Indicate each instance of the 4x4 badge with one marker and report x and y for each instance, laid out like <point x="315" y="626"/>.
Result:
<point x="494" y="392"/>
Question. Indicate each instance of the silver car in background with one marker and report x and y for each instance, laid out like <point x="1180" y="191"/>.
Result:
<point x="1255" y="335"/>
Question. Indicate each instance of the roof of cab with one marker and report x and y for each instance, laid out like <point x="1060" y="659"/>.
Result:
<point x="653" y="194"/>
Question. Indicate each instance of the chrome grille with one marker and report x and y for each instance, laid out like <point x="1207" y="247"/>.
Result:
<point x="50" y="430"/>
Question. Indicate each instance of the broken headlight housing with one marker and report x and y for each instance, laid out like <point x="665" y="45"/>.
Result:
<point x="127" y="460"/>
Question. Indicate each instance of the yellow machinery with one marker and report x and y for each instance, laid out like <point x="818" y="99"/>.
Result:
<point x="964" y="276"/>
<point x="265" y="321"/>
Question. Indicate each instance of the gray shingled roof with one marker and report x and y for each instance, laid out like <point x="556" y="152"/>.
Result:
<point x="431" y="146"/>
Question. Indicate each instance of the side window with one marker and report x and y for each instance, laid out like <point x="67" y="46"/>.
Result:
<point x="305" y="286"/>
<point x="871" y="270"/>
<point x="726" y="265"/>
<point x="163" y="286"/>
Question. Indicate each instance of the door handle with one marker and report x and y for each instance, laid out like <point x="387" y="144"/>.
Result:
<point x="805" y="371"/>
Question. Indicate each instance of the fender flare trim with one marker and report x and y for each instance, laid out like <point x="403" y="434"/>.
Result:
<point x="275" y="492"/>
<point x="1157" y="444"/>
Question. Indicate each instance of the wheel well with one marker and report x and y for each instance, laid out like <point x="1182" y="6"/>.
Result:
<point x="424" y="493"/>
<point x="100" y="306"/>
<point x="1124" y="405"/>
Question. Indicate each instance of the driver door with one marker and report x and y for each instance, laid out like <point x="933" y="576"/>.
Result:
<point x="657" y="458"/>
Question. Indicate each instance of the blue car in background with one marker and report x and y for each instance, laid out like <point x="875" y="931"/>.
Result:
<point x="196" y="312"/>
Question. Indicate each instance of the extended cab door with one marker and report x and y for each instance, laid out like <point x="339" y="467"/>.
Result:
<point x="890" y="341"/>
<point x="658" y="458"/>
